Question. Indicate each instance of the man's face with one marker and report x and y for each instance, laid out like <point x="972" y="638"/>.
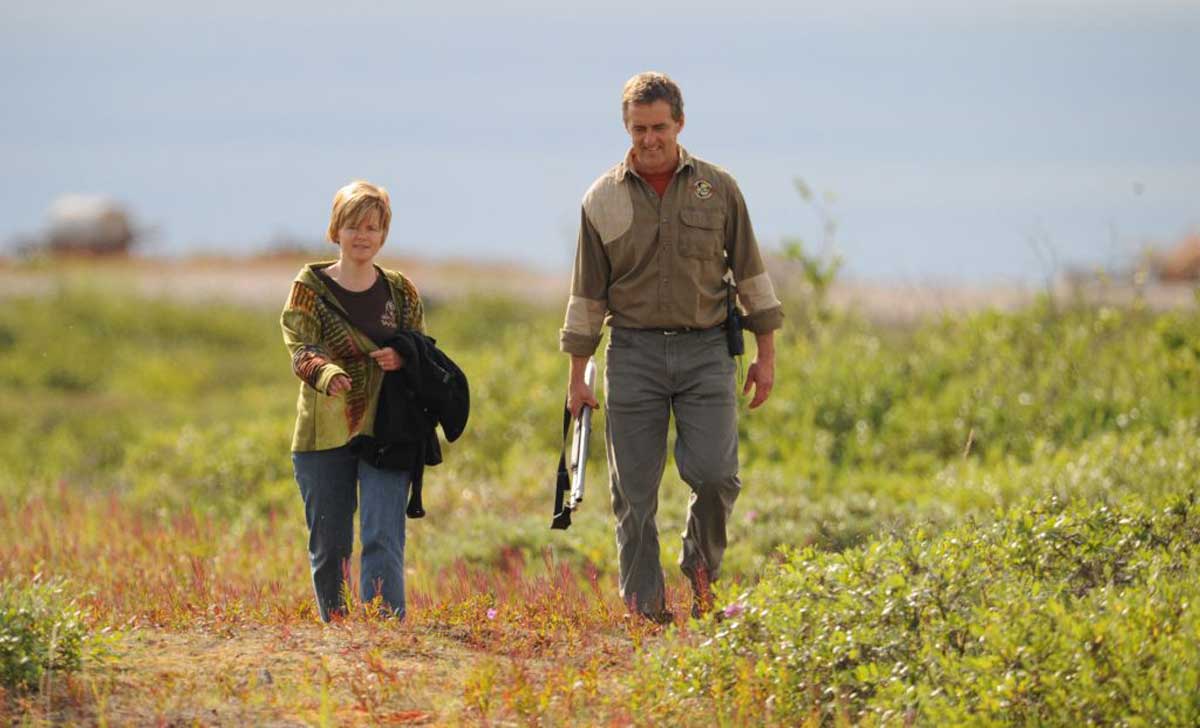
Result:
<point x="654" y="135"/>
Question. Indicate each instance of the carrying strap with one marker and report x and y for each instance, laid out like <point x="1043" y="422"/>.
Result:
<point x="562" y="516"/>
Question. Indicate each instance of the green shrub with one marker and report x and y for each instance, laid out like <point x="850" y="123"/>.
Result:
<point x="85" y="374"/>
<point x="994" y="386"/>
<point x="225" y="467"/>
<point x="41" y="630"/>
<point x="842" y="512"/>
<point x="1051" y="614"/>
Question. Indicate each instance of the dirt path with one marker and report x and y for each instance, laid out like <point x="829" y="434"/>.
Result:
<point x="356" y="674"/>
<point x="284" y="676"/>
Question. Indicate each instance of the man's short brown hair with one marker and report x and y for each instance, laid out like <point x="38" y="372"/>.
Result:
<point x="648" y="87"/>
<point x="354" y="202"/>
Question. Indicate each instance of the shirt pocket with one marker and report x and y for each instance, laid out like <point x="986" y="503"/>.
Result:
<point x="702" y="233"/>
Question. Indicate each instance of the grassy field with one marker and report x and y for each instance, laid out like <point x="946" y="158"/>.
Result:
<point x="980" y="518"/>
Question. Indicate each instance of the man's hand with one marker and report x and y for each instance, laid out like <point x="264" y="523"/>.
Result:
<point x="761" y="375"/>
<point x="578" y="392"/>
<point x="339" y="384"/>
<point x="578" y="395"/>
<point x="387" y="359"/>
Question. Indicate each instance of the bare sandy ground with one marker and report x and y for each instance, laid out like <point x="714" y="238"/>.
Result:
<point x="264" y="281"/>
<point x="261" y="281"/>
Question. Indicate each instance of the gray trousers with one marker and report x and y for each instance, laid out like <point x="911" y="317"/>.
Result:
<point x="648" y="376"/>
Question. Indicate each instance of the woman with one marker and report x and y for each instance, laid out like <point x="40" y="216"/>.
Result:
<point x="335" y="316"/>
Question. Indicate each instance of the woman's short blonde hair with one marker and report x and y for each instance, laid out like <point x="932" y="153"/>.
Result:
<point x="354" y="202"/>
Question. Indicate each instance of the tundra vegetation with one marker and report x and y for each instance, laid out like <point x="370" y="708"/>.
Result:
<point x="986" y="518"/>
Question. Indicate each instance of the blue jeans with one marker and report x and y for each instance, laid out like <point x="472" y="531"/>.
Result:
<point x="330" y="482"/>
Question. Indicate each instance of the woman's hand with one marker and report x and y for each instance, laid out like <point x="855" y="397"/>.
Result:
<point x="339" y="384"/>
<point x="387" y="359"/>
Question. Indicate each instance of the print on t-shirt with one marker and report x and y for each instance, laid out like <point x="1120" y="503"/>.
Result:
<point x="388" y="319"/>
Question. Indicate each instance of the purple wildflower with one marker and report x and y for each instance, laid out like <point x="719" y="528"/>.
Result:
<point x="734" y="609"/>
<point x="491" y="613"/>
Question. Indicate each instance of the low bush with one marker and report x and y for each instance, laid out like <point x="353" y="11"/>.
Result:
<point x="846" y="511"/>
<point x="1052" y="614"/>
<point x="988" y="386"/>
<point x="41" y="631"/>
<point x="225" y="467"/>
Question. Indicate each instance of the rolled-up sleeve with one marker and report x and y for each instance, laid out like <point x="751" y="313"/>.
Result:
<point x="588" y="302"/>
<point x="756" y="294"/>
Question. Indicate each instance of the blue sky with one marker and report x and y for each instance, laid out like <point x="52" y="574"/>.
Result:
<point x="957" y="141"/>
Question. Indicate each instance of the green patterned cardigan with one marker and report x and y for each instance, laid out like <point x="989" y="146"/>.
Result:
<point x="323" y="345"/>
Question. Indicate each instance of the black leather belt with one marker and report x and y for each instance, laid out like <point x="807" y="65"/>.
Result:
<point x="683" y="330"/>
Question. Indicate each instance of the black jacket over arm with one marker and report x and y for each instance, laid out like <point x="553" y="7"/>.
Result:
<point x="429" y="390"/>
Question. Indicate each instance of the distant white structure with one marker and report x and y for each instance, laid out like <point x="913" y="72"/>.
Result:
<point x="89" y="224"/>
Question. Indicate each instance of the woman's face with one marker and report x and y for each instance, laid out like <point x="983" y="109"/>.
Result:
<point x="360" y="241"/>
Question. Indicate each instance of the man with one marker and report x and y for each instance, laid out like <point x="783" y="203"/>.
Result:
<point x="658" y="234"/>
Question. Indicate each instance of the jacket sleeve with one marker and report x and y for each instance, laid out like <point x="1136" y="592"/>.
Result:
<point x="588" y="302"/>
<point x="414" y="310"/>
<point x="756" y="294"/>
<point x="311" y="361"/>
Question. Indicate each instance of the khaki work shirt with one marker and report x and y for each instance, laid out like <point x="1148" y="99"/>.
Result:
<point x="648" y="263"/>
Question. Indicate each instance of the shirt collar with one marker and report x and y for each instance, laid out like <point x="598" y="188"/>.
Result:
<point x="625" y="168"/>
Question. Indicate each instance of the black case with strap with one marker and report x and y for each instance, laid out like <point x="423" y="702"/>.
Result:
<point x="562" y="514"/>
<point x="733" y="322"/>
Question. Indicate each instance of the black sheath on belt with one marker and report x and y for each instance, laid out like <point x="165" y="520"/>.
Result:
<point x="733" y="323"/>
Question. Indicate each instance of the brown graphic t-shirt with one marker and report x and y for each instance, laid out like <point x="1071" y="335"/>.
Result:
<point x="372" y="310"/>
